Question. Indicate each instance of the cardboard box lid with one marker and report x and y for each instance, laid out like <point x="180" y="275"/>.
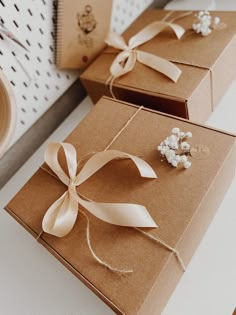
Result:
<point x="192" y="49"/>
<point x="172" y="200"/>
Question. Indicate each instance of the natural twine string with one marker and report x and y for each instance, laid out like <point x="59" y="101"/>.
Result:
<point x="150" y="236"/>
<point x="123" y="128"/>
<point x="164" y="244"/>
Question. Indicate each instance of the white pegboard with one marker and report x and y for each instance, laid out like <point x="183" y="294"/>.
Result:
<point x="33" y="23"/>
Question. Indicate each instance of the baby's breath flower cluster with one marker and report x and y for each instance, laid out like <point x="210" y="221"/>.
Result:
<point x="205" y="23"/>
<point x="176" y="149"/>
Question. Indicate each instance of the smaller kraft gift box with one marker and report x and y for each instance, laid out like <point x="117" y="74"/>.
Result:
<point x="207" y="64"/>
<point x="180" y="202"/>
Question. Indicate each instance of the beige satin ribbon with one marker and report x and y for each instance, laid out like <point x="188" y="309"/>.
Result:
<point x="52" y="154"/>
<point x="126" y="59"/>
<point x="61" y="215"/>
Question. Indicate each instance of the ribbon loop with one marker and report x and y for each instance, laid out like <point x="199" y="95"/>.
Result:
<point x="61" y="215"/>
<point x="123" y="63"/>
<point x="51" y="158"/>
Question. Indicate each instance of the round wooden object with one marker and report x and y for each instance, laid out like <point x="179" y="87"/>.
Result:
<point x="7" y="113"/>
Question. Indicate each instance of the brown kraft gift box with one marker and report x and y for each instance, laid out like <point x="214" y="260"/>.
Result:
<point x="182" y="203"/>
<point x="208" y="67"/>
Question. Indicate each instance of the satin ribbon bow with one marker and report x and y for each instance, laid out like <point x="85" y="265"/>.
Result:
<point x="61" y="215"/>
<point x="126" y="59"/>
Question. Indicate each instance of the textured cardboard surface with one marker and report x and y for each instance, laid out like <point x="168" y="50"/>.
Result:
<point x="208" y="66"/>
<point x="182" y="202"/>
<point x="78" y="43"/>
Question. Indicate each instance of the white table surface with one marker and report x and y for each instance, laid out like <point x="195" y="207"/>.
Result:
<point x="33" y="282"/>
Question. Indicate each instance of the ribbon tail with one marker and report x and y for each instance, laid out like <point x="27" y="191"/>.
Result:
<point x="177" y="29"/>
<point x="121" y="214"/>
<point x="61" y="216"/>
<point x="159" y="64"/>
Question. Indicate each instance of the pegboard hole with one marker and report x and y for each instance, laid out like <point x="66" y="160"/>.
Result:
<point x="30" y="12"/>
<point x="13" y="53"/>
<point x="34" y="110"/>
<point x="49" y="74"/>
<point x="22" y="122"/>
<point x="27" y="57"/>
<point x="44" y="2"/>
<point x="68" y="77"/>
<point x="57" y="87"/>
<point x="27" y="41"/>
<point x="42" y="16"/>
<point x="50" y="61"/>
<point x="35" y="98"/>
<point x="37" y="72"/>
<point x="1" y="37"/>
<point x="2" y="3"/>
<point x="17" y="9"/>
<point x="51" y="48"/>
<point x="24" y="97"/>
<point x="13" y="83"/>
<point x="14" y="70"/>
<point x="47" y="86"/>
<point x="25" y="84"/>
<point x="41" y="31"/>
<point x="58" y="75"/>
<point x="15" y="23"/>
<point x="36" y="85"/>
<point x="1" y="53"/>
<point x="46" y="99"/>
<point x="39" y="60"/>
<point x="40" y="45"/>
<point x="23" y="110"/>
<point x="29" y="28"/>
<point x="2" y="20"/>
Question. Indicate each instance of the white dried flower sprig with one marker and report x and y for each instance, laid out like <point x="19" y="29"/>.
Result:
<point x="205" y="23"/>
<point x="176" y="149"/>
